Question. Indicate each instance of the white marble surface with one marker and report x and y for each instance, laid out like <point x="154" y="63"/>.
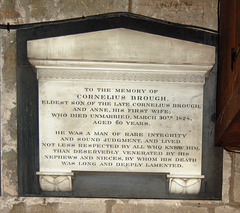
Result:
<point x="120" y="126"/>
<point x="122" y="45"/>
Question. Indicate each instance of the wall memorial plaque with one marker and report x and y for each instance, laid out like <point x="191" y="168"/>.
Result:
<point x="117" y="106"/>
<point x="120" y="101"/>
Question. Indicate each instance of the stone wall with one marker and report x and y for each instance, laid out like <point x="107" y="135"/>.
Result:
<point x="193" y="12"/>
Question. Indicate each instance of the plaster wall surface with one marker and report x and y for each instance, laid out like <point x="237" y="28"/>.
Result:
<point x="193" y="12"/>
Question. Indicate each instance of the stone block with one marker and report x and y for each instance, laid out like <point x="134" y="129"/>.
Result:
<point x="236" y="188"/>
<point x="135" y="208"/>
<point x="191" y="12"/>
<point x="23" y="208"/>
<point x="92" y="7"/>
<point x="4" y="210"/>
<point x="237" y="164"/>
<point x="22" y="11"/>
<point x="9" y="61"/>
<point x="9" y="115"/>
<point x="9" y="173"/>
<point x="8" y="12"/>
<point x="85" y="206"/>
<point x="66" y="9"/>
<point x="227" y="169"/>
<point x="226" y="209"/>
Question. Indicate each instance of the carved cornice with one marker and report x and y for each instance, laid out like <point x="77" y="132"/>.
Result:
<point x="58" y="74"/>
<point x="82" y="70"/>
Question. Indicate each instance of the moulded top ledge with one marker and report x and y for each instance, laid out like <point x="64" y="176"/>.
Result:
<point x="121" y="45"/>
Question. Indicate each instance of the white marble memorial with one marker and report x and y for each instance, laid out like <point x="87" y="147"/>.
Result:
<point x="120" y="101"/>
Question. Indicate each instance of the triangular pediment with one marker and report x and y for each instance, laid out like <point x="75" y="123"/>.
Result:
<point x="121" y="45"/>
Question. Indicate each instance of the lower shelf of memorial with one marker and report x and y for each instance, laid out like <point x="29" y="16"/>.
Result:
<point x="62" y="182"/>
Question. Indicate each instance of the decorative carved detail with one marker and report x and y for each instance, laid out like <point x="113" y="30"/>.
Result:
<point x="184" y="184"/>
<point x="124" y="76"/>
<point x="55" y="181"/>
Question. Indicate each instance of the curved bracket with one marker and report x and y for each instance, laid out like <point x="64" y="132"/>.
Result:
<point x="55" y="181"/>
<point x="184" y="184"/>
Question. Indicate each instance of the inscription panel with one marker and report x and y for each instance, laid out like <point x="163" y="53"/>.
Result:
<point x="120" y="126"/>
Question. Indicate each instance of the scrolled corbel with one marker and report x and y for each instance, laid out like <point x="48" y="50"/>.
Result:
<point x="55" y="181"/>
<point x="185" y="184"/>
